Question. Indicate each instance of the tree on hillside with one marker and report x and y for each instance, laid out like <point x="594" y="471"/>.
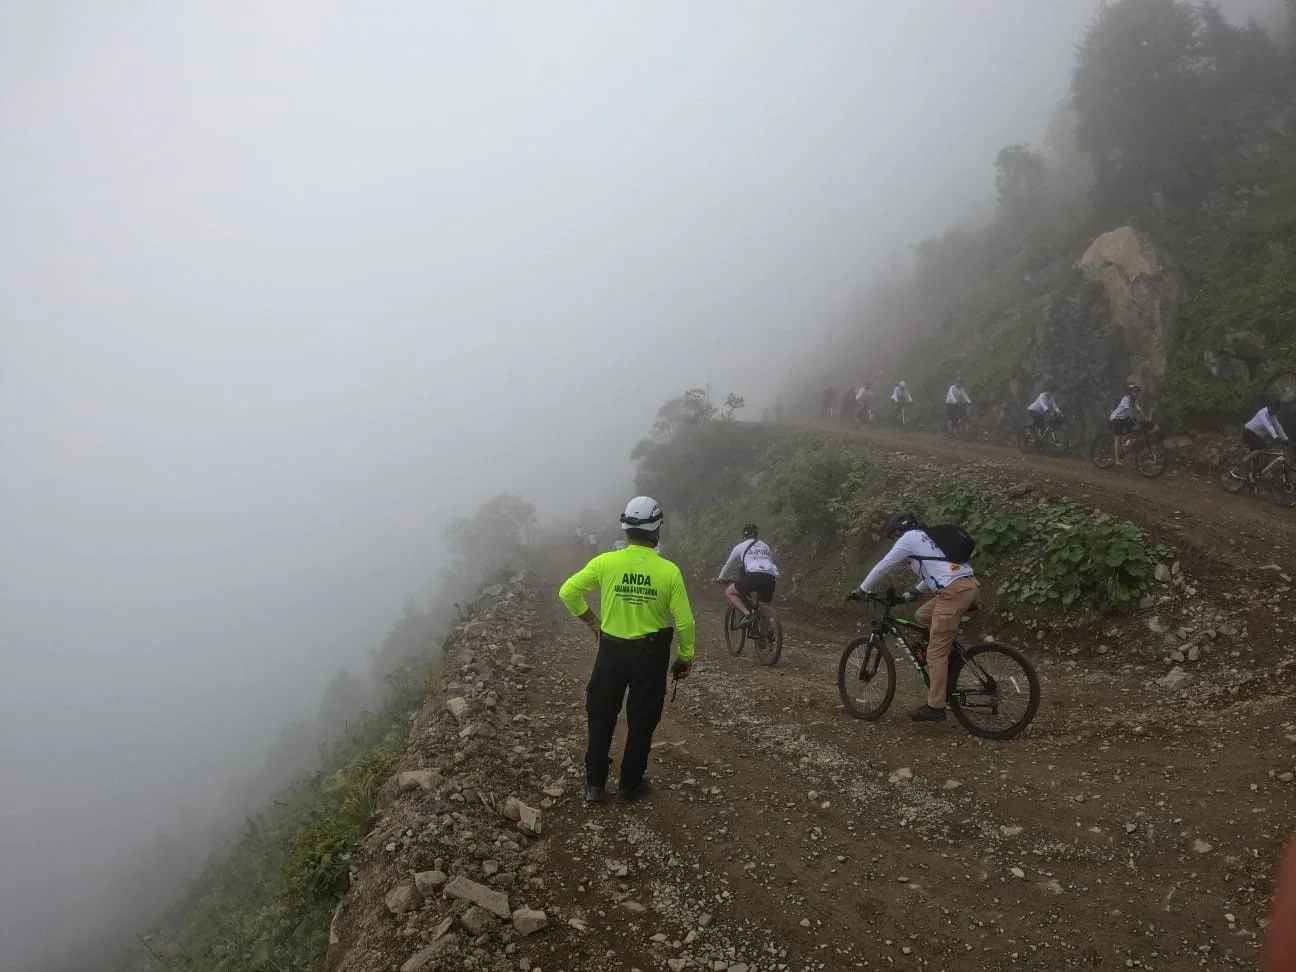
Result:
<point x="1139" y="90"/>
<point x="693" y="453"/>
<point x="346" y="698"/>
<point x="486" y="540"/>
<point x="1021" y="175"/>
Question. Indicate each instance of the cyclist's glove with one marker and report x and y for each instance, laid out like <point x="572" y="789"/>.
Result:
<point x="855" y="595"/>
<point x="912" y="595"/>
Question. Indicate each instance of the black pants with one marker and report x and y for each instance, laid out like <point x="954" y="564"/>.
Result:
<point x="637" y="666"/>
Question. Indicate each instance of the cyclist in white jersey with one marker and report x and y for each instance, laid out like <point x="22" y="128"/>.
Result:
<point x="750" y="567"/>
<point x="1261" y="432"/>
<point x="957" y="404"/>
<point x="1124" y="417"/>
<point x="1044" y="407"/>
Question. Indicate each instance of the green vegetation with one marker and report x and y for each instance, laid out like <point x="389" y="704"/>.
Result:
<point x="267" y="902"/>
<point x="822" y="494"/>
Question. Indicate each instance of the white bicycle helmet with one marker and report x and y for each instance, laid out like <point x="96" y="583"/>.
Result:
<point x="642" y="513"/>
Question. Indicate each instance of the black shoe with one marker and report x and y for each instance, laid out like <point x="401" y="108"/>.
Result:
<point x="595" y="794"/>
<point x="925" y="713"/>
<point x="635" y="793"/>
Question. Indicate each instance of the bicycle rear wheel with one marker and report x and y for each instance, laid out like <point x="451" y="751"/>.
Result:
<point x="1026" y="439"/>
<point x="1102" y="452"/>
<point x="735" y="637"/>
<point x="768" y="636"/>
<point x="1234" y="478"/>
<point x="993" y="690"/>
<point x="866" y="677"/>
<point x="1150" y="460"/>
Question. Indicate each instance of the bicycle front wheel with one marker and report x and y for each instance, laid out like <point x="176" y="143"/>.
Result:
<point x="1055" y="441"/>
<point x="866" y="677"/>
<point x="993" y="690"/>
<point x="735" y="637"/>
<point x="1151" y="460"/>
<point x="1102" y="453"/>
<point x="768" y="636"/>
<point x="1283" y="488"/>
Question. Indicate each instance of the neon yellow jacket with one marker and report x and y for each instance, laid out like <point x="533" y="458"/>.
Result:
<point x="638" y="588"/>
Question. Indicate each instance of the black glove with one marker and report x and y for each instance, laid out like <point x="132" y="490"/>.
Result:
<point x="680" y="668"/>
<point x="855" y="595"/>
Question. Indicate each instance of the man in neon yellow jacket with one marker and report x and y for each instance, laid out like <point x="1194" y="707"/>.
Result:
<point x="638" y="590"/>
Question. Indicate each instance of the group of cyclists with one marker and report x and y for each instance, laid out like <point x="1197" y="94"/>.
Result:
<point x="1260" y="433"/>
<point x="642" y="593"/>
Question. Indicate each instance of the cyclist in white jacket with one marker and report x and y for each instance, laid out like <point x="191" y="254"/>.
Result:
<point x="1261" y="432"/>
<point x="957" y="404"/>
<point x="750" y="567"/>
<point x="954" y="586"/>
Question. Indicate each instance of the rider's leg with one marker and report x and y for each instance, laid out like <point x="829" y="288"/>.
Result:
<point x="944" y="613"/>
<point x="1257" y="445"/>
<point x="736" y="599"/>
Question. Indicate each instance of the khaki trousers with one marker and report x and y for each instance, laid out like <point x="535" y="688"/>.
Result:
<point x="943" y="614"/>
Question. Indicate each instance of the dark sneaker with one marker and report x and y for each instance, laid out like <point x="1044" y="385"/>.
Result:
<point x="634" y="793"/>
<point x="595" y="794"/>
<point x="925" y="713"/>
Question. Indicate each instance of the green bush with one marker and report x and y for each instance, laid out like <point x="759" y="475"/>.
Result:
<point x="806" y="484"/>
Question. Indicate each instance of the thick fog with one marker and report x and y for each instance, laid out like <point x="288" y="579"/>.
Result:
<point x="285" y="286"/>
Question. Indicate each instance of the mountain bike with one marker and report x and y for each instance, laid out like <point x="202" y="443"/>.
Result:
<point x="863" y="415"/>
<point x="957" y="427"/>
<point x="993" y="692"/>
<point x="1051" y="437"/>
<point x="1145" y="441"/>
<point x="902" y="414"/>
<point x="762" y="626"/>
<point x="1277" y="475"/>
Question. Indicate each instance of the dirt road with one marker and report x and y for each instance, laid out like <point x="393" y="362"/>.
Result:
<point x="1242" y="531"/>
<point x="1121" y="833"/>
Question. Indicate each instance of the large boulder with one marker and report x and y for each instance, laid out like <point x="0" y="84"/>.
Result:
<point x="1142" y="290"/>
<point x="1225" y="366"/>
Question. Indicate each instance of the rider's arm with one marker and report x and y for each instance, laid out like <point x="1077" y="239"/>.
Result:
<point x="574" y="588"/>
<point x="897" y="555"/>
<point x="677" y="603"/>
<point x="729" y="570"/>
<point x="1276" y="428"/>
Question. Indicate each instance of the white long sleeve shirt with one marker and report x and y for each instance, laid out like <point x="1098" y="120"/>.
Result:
<point x="863" y="395"/>
<point x="899" y="395"/>
<point x="957" y="396"/>
<point x="1043" y="405"/>
<point x="1265" y="422"/>
<point x="1127" y="409"/>
<point x="933" y="575"/>
<point x="753" y="556"/>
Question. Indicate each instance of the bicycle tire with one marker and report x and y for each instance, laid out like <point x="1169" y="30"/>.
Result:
<point x="1056" y="441"/>
<point x="957" y="702"/>
<point x="735" y="638"/>
<point x="1026" y="439"/>
<point x="1102" y="450"/>
<point x="1229" y="479"/>
<point x="1150" y="460"/>
<point x="1282" y="489"/>
<point x="768" y="638"/>
<point x="878" y="656"/>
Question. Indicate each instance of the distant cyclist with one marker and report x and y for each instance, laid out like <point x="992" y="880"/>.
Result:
<point x="900" y="397"/>
<point x="1261" y="432"/>
<point x="864" y="403"/>
<point x="1124" y="417"/>
<point x="750" y="567"/>
<point x="1044" y="409"/>
<point x="957" y="404"/>
<point x="954" y="586"/>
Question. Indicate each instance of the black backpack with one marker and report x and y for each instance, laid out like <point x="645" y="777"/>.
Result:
<point x="954" y="542"/>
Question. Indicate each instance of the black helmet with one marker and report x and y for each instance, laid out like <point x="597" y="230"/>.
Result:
<point x="750" y="532"/>
<point x="899" y="523"/>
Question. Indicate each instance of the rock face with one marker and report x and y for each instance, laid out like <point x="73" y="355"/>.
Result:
<point x="1143" y="292"/>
